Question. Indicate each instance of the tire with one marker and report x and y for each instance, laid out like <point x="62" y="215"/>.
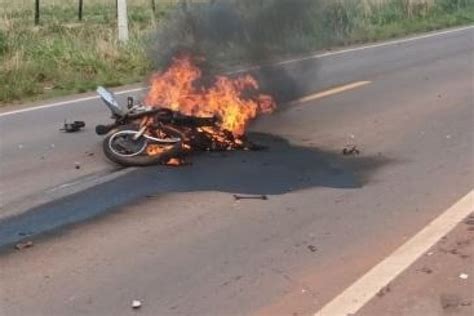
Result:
<point x="141" y="159"/>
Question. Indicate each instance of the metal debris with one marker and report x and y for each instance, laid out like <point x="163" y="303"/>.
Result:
<point x="72" y="127"/>
<point x="250" y="197"/>
<point x="464" y="276"/>
<point x="350" y="150"/>
<point x="24" y="244"/>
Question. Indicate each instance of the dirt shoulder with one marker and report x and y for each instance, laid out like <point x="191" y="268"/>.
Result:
<point x="439" y="283"/>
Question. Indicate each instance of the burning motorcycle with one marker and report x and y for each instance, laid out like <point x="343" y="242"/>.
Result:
<point x="178" y="117"/>
<point x="142" y="136"/>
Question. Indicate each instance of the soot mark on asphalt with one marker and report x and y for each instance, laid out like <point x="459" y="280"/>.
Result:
<point x="280" y="169"/>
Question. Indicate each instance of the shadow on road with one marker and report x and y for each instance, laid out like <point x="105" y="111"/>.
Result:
<point x="280" y="169"/>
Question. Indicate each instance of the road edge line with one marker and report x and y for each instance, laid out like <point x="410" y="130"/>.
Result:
<point x="281" y="63"/>
<point x="354" y="297"/>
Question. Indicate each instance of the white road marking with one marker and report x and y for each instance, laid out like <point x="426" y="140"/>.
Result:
<point x="359" y="293"/>
<point x="285" y="62"/>
<point x="52" y="105"/>
<point x="370" y="46"/>
<point x="330" y="92"/>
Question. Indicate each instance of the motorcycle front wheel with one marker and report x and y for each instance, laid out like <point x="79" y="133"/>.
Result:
<point x="121" y="147"/>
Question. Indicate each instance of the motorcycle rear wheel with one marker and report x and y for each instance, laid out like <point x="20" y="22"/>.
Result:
<point x="138" y="156"/>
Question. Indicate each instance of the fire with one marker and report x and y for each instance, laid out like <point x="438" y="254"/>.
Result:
<point x="235" y="102"/>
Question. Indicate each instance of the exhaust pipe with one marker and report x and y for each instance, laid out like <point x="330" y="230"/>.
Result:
<point x="104" y="129"/>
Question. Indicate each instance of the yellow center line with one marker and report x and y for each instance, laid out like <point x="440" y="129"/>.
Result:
<point x="330" y="92"/>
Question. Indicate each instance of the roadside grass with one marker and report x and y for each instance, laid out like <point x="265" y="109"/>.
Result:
<point x="63" y="56"/>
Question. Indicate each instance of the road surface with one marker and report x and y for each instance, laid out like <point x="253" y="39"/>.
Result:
<point x="175" y="238"/>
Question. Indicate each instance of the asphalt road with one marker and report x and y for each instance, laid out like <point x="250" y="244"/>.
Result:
<point x="176" y="239"/>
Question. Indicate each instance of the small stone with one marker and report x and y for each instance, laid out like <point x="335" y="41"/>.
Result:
<point x="21" y="146"/>
<point x="24" y="245"/>
<point x="136" y="304"/>
<point x="463" y="276"/>
<point x="426" y="270"/>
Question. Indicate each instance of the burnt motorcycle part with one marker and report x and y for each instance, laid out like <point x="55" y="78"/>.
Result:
<point x="125" y="143"/>
<point x="250" y="197"/>
<point x="104" y="129"/>
<point x="73" y="127"/>
<point x="120" y="147"/>
<point x="350" y="150"/>
<point x="130" y="102"/>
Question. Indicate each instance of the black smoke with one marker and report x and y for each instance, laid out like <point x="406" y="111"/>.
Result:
<point x="231" y="34"/>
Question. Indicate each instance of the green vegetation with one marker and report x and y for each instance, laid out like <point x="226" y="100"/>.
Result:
<point x="63" y="56"/>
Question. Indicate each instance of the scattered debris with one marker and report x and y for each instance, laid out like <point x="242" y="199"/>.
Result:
<point x="89" y="154"/>
<point x="24" y="234"/>
<point x="24" y="244"/>
<point x="384" y="290"/>
<point x="466" y="303"/>
<point x="350" y="150"/>
<point x="312" y="248"/>
<point x="426" y="270"/>
<point x="449" y="301"/>
<point x="177" y="162"/>
<point x="136" y="304"/>
<point x="469" y="221"/>
<point x="72" y="127"/>
<point x="250" y="197"/>
<point x="464" y="276"/>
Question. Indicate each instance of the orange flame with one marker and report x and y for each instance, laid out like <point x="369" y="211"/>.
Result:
<point x="228" y="100"/>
